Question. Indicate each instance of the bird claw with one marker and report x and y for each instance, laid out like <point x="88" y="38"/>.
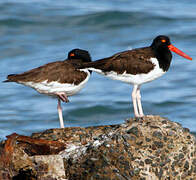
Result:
<point x="139" y="118"/>
<point x="67" y="100"/>
<point x="63" y="97"/>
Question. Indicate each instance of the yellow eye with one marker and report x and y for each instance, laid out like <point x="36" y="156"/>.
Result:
<point x="163" y="40"/>
<point x="72" y="54"/>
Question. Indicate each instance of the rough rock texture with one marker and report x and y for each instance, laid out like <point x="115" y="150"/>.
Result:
<point x="149" y="148"/>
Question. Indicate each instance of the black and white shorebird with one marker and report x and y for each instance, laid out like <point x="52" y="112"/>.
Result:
<point x="60" y="79"/>
<point x="138" y="66"/>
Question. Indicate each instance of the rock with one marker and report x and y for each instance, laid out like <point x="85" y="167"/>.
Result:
<point x="151" y="148"/>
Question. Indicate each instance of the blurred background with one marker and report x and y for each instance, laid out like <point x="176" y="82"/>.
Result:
<point x="34" y="32"/>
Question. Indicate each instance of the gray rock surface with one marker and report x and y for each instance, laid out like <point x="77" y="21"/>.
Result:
<point x="149" y="148"/>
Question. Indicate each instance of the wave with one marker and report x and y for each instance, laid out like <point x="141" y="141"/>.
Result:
<point x="104" y="19"/>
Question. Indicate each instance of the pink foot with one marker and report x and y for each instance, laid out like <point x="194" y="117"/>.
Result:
<point x="63" y="97"/>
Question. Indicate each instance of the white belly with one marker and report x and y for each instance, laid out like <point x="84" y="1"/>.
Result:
<point x="54" y="87"/>
<point x="134" y="79"/>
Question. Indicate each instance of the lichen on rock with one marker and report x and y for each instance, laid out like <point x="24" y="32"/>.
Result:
<point x="149" y="148"/>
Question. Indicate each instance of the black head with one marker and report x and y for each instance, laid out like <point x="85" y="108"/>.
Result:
<point x="161" y="42"/>
<point x="79" y="54"/>
<point x="160" y="47"/>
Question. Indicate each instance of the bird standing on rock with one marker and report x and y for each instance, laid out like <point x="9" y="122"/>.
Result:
<point x="60" y="79"/>
<point x="138" y="66"/>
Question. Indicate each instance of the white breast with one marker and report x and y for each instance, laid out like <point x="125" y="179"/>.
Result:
<point x="134" y="79"/>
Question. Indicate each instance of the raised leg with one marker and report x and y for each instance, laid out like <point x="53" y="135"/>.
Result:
<point x="60" y="113"/>
<point x="134" y="99"/>
<point x="63" y="97"/>
<point x="138" y="95"/>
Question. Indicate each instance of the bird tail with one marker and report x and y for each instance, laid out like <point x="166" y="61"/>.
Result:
<point x="96" y="66"/>
<point x="10" y="78"/>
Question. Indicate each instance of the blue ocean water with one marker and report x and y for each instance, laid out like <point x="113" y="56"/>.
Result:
<point x="33" y="33"/>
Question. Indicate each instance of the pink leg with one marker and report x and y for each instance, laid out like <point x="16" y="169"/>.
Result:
<point x="134" y="99"/>
<point x="139" y="103"/>
<point x="63" y="97"/>
<point x="60" y="113"/>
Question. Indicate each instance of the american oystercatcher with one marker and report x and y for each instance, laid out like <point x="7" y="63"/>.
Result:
<point x="59" y="79"/>
<point x="138" y="66"/>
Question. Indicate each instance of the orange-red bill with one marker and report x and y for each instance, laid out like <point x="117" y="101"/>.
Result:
<point x="179" y="52"/>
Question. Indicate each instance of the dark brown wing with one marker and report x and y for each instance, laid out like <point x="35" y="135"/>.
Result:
<point x="60" y="71"/>
<point x="132" y="61"/>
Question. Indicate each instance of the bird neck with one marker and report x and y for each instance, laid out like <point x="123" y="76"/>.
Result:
<point x="163" y="56"/>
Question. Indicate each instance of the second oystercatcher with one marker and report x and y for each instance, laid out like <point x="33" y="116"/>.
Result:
<point x="138" y="66"/>
<point x="59" y="79"/>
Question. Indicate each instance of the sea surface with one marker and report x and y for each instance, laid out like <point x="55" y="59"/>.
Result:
<point x="34" y="32"/>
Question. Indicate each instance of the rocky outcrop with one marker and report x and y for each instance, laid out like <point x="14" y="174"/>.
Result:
<point x="148" y="148"/>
